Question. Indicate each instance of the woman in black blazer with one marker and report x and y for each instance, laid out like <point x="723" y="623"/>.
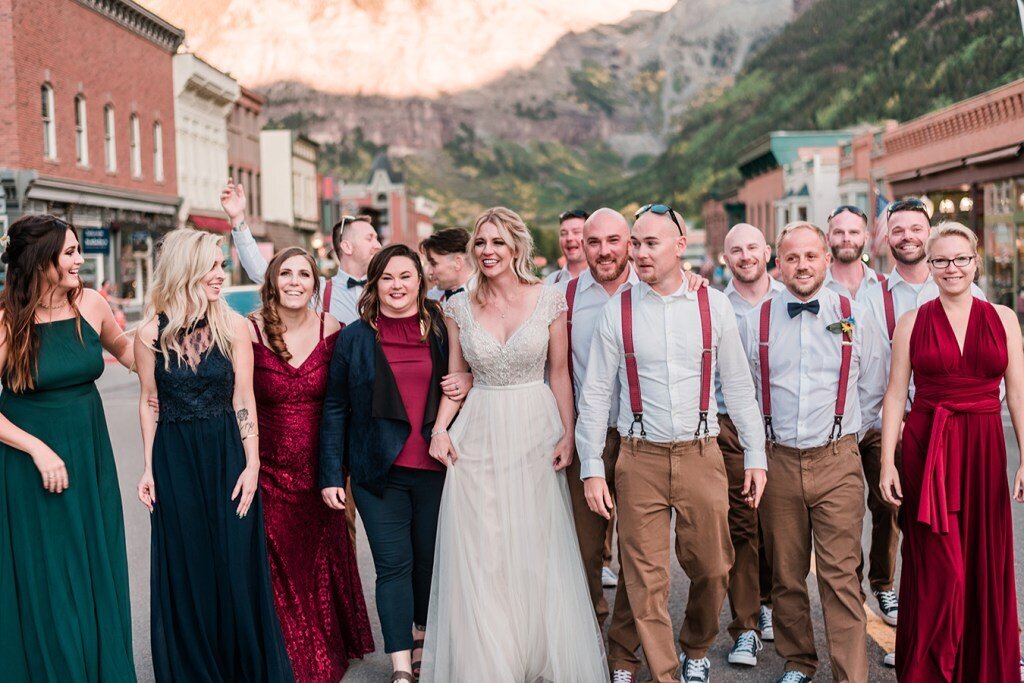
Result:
<point x="386" y="380"/>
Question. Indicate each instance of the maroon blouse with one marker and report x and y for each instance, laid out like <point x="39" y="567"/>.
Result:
<point x="412" y="367"/>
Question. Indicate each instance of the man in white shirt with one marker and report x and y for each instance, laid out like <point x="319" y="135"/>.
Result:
<point x="606" y="245"/>
<point x="646" y="342"/>
<point x="750" y="582"/>
<point x="355" y="243"/>
<point x="819" y="362"/>
<point x="847" y="237"/>
<point x="447" y="268"/>
<point x="570" y="241"/>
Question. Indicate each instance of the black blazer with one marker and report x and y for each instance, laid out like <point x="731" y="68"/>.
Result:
<point x="364" y="424"/>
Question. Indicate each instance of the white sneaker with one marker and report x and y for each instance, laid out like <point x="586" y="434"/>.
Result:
<point x="608" y="578"/>
<point x="621" y="676"/>
<point x="695" y="670"/>
<point x="890" y="660"/>
<point x="764" y="623"/>
<point x="889" y="605"/>
<point x="746" y="648"/>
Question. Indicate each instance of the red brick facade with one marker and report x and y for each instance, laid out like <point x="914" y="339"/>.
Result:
<point x="78" y="51"/>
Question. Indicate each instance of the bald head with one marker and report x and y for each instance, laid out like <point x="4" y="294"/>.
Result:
<point x="649" y="219"/>
<point x="746" y="253"/>
<point x="606" y="244"/>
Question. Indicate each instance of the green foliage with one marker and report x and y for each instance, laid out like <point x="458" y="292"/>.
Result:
<point x="836" y="66"/>
<point x="351" y="158"/>
<point x="594" y="87"/>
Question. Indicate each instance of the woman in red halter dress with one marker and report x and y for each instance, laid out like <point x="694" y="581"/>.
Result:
<point x="317" y="591"/>
<point x="958" y="605"/>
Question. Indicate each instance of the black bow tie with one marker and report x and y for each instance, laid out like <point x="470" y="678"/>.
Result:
<point x="794" y="307"/>
<point x="352" y="282"/>
<point x="449" y="293"/>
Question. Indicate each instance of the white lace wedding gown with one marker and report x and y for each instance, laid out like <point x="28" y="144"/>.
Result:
<point x="509" y="603"/>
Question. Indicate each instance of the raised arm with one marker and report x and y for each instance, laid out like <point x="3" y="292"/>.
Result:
<point x="894" y="406"/>
<point x="244" y="403"/>
<point x="561" y="387"/>
<point x="441" y="448"/>
<point x="145" y="361"/>
<point x="232" y="199"/>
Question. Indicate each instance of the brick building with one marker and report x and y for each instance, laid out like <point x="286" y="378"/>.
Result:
<point x="244" y="125"/>
<point x="87" y="127"/>
<point x="398" y="216"/>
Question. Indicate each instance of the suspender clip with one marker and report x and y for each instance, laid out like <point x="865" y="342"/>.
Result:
<point x="702" y="422"/>
<point x="769" y="430"/>
<point x="638" y="418"/>
<point x="837" y="428"/>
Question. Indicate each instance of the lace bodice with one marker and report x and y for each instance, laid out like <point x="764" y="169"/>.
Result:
<point x="196" y="387"/>
<point x="519" y="360"/>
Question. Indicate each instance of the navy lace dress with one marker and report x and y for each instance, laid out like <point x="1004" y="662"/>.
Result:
<point x="213" y="617"/>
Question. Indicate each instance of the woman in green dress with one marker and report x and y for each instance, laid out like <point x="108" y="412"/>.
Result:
<point x="64" y="610"/>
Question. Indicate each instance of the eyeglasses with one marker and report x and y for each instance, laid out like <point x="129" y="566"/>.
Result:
<point x="572" y="213"/>
<point x="907" y="205"/>
<point x="847" y="207"/>
<point x="943" y="263"/>
<point x="660" y="210"/>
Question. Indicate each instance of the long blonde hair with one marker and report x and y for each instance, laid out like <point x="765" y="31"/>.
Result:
<point x="186" y="257"/>
<point x="511" y="227"/>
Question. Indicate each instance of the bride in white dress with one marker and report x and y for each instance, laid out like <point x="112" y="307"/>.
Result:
<point x="509" y="602"/>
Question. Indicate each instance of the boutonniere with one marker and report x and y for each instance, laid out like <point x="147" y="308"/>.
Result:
<point x="844" y="326"/>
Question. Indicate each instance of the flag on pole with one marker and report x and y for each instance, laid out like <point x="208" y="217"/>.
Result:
<point x="1020" y="8"/>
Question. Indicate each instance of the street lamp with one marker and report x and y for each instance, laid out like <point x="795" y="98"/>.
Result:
<point x="946" y="206"/>
<point x="966" y="204"/>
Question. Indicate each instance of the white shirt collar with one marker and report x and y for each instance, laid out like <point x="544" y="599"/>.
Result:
<point x="643" y="289"/>
<point x="773" y="286"/>
<point x="588" y="280"/>
<point x="870" y="276"/>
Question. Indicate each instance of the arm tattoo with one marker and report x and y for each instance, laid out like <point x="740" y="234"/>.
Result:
<point x="245" y="425"/>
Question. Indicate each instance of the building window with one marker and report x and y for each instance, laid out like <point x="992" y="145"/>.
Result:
<point x="134" y="146"/>
<point x="109" y="141"/>
<point x="49" y="123"/>
<point x="81" y="132"/>
<point x="158" y="152"/>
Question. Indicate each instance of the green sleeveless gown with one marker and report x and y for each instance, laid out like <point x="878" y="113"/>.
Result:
<point x="64" y="609"/>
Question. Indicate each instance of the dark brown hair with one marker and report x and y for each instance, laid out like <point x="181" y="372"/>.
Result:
<point x="270" y="296"/>
<point x="429" y="311"/>
<point x="36" y="242"/>
<point x="447" y="241"/>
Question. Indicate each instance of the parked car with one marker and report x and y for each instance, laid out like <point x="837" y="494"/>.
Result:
<point x="243" y="299"/>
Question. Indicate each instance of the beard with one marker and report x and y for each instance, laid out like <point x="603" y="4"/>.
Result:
<point x="847" y="254"/>
<point x="747" y="279"/>
<point x="601" y="272"/>
<point x="805" y="287"/>
<point x="906" y="259"/>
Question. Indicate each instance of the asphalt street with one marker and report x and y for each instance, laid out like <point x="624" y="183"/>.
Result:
<point x="120" y="394"/>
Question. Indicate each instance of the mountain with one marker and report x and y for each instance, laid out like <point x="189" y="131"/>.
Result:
<point x="835" y="66"/>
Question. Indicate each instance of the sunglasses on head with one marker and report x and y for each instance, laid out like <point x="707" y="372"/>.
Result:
<point x="907" y="205"/>
<point x="660" y="210"/>
<point x="847" y="207"/>
<point x="573" y="213"/>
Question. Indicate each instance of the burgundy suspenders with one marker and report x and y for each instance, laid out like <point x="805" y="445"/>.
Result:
<point x="636" y="403"/>
<point x="327" y="295"/>
<point x="570" y="299"/>
<point x="844" y="370"/>
<point x="890" y="308"/>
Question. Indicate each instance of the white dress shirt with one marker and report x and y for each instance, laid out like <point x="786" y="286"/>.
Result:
<point x="559" y="276"/>
<point x="668" y="346"/>
<point x="344" y="299"/>
<point x="804" y="359"/>
<point x="867" y="284"/>
<point x="741" y="307"/>
<point x="591" y="298"/>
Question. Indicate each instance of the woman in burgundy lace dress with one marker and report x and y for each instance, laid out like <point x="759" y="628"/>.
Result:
<point x="317" y="591"/>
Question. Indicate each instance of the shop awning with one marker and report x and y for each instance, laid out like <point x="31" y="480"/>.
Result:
<point x="209" y="223"/>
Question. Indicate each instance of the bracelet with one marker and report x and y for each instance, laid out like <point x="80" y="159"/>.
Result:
<point x="251" y="436"/>
<point x="242" y="225"/>
<point x="442" y="430"/>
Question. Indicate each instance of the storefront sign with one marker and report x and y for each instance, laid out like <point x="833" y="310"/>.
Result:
<point x="95" y="240"/>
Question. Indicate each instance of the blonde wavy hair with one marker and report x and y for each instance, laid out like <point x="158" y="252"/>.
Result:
<point x="186" y="257"/>
<point x="512" y="228"/>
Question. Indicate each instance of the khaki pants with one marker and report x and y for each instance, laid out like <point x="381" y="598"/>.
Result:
<point x="817" y="495"/>
<point x="885" y="532"/>
<point x="592" y="531"/>
<point x="750" y="581"/>
<point x="652" y="481"/>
